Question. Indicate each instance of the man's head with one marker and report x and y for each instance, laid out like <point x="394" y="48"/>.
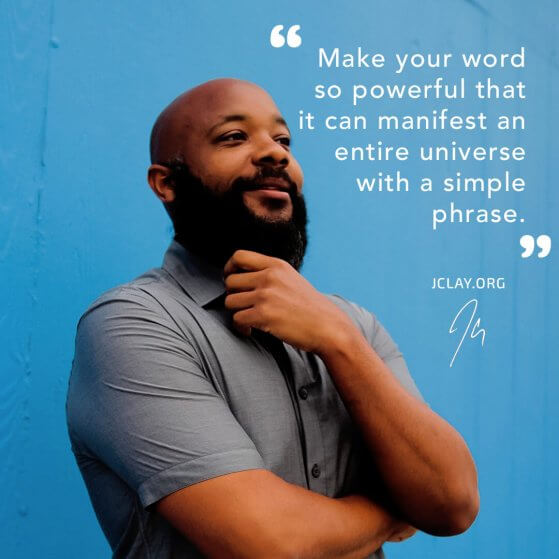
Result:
<point x="222" y="166"/>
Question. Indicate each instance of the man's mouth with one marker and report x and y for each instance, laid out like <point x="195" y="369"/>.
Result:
<point x="270" y="189"/>
<point x="270" y="184"/>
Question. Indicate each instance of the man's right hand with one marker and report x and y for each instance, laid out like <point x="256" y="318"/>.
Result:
<point x="403" y="532"/>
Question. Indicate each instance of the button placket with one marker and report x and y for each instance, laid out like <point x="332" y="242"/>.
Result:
<point x="308" y="381"/>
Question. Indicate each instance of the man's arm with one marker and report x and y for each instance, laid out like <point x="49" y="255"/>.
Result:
<point x="255" y="513"/>
<point x="426" y="466"/>
<point x="423" y="461"/>
<point x="141" y="403"/>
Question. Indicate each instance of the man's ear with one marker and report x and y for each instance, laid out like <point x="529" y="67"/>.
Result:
<point x="157" y="179"/>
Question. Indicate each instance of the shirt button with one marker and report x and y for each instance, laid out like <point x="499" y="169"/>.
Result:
<point x="303" y="393"/>
<point x="315" y="470"/>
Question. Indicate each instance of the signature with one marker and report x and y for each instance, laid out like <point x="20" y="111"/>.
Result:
<point x="474" y="331"/>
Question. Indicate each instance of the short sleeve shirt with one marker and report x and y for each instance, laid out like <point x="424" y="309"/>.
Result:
<point x="164" y="393"/>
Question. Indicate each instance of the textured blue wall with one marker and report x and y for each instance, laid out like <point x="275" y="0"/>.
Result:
<point x="81" y="85"/>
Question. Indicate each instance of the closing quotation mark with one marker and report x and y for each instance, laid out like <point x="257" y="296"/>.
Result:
<point x="528" y="243"/>
<point x="277" y="40"/>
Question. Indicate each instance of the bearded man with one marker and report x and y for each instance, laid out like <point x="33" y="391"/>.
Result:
<point x="220" y="405"/>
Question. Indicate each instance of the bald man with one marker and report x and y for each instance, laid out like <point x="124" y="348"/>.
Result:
<point x="220" y="406"/>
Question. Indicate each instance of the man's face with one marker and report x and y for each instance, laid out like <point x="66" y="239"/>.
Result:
<point x="237" y="133"/>
<point x="238" y="185"/>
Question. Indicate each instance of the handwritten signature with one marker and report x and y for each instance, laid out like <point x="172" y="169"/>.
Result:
<point x="474" y="331"/>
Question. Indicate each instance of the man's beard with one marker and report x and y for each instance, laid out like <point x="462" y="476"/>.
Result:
<point x="214" y="225"/>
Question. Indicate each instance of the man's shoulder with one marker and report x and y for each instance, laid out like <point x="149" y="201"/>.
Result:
<point x="370" y="327"/>
<point x="380" y="340"/>
<point x="150" y="291"/>
<point x="365" y="320"/>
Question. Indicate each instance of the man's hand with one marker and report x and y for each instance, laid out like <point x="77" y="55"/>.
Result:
<point x="403" y="532"/>
<point x="269" y="294"/>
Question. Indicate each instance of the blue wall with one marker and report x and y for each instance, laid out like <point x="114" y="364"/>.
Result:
<point x="82" y="84"/>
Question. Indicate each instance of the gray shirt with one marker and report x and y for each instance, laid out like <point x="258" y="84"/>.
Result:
<point x="164" y="393"/>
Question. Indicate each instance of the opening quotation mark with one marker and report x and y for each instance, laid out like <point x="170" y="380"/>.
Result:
<point x="528" y="243"/>
<point x="277" y="40"/>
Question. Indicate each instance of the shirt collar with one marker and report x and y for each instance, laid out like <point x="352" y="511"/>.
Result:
<point x="200" y="280"/>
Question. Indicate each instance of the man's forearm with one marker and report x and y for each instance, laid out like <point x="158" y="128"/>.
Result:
<point x="424" y="463"/>
<point x="372" y="516"/>
<point x="351" y="527"/>
<point x="255" y="513"/>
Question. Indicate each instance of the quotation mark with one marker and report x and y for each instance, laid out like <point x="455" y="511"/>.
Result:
<point x="528" y="243"/>
<point x="277" y="39"/>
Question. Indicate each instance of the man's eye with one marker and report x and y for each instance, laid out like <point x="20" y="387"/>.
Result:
<point x="285" y="140"/>
<point x="232" y="137"/>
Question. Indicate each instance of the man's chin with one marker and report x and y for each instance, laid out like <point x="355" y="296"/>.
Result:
<point x="276" y="213"/>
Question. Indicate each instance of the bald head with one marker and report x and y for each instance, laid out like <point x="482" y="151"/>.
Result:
<point x="223" y="167"/>
<point x="189" y="112"/>
<point x="224" y="131"/>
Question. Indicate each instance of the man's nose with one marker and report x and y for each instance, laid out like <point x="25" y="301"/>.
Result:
<point x="268" y="152"/>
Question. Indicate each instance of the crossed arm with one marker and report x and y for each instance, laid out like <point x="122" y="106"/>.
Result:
<point x="254" y="513"/>
<point x="424" y="464"/>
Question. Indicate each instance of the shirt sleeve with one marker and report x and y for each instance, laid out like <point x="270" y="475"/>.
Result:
<point x="381" y="341"/>
<point x="140" y="402"/>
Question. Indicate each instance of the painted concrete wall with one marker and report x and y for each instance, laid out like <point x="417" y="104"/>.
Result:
<point x="82" y="84"/>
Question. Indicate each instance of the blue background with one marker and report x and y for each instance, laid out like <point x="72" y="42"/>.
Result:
<point x="82" y="84"/>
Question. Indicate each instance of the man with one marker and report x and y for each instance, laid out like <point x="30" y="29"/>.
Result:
<point x="220" y="406"/>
